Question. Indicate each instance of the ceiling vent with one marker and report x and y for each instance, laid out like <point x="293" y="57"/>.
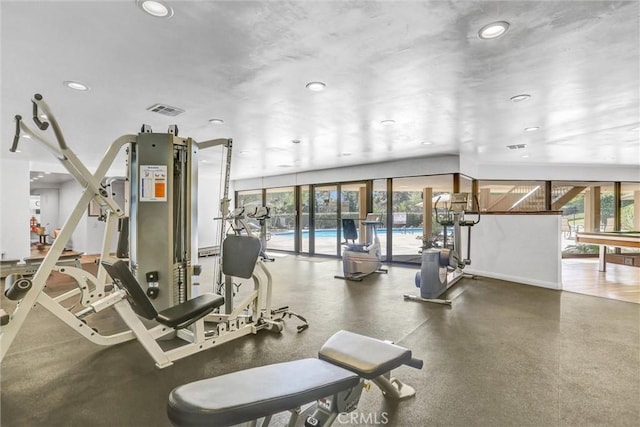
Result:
<point x="165" y="109"/>
<point x="516" y="146"/>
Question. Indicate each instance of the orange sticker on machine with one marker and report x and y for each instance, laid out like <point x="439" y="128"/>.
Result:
<point x="153" y="183"/>
<point x="160" y="189"/>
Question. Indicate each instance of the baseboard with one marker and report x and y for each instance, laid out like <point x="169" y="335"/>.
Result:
<point x="517" y="279"/>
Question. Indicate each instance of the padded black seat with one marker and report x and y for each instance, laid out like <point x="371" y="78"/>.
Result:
<point x="179" y="316"/>
<point x="254" y="393"/>
<point x="369" y="357"/>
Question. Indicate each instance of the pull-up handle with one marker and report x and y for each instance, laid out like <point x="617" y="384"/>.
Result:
<point x="36" y="118"/>
<point x="39" y="102"/>
<point x="16" y="138"/>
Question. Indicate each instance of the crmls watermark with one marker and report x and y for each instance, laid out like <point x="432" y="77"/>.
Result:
<point x="358" y="418"/>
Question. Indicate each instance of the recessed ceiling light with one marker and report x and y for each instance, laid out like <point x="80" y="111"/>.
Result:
<point x="316" y="86"/>
<point x="157" y="8"/>
<point x="524" y="156"/>
<point x="427" y="143"/>
<point x="522" y="97"/>
<point x="18" y="151"/>
<point x="388" y="122"/>
<point x="295" y="141"/>
<point x="532" y="129"/>
<point x="245" y="152"/>
<point x="493" y="30"/>
<point x="76" y="85"/>
<point x="40" y="175"/>
<point x="346" y="154"/>
<point x="216" y="121"/>
<point x="635" y="129"/>
<point x="47" y="173"/>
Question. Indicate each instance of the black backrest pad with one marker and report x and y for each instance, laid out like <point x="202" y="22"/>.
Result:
<point x="239" y="255"/>
<point x="349" y="230"/>
<point x="366" y="356"/>
<point x="124" y="278"/>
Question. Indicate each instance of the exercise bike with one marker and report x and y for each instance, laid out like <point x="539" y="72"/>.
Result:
<point x="361" y="259"/>
<point x="443" y="267"/>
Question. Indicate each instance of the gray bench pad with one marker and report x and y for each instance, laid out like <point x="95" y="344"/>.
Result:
<point x="254" y="393"/>
<point x="369" y="357"/>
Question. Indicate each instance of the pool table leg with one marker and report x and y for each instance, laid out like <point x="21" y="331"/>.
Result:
<point x="602" y="265"/>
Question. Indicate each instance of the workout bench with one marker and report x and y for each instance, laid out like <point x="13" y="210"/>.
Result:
<point x="335" y="380"/>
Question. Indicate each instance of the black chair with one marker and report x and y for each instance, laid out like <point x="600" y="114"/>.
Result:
<point x="178" y="317"/>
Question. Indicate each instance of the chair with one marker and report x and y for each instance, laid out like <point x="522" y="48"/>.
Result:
<point x="178" y="317"/>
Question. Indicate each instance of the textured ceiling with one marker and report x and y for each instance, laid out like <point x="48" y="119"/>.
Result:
<point x="419" y="63"/>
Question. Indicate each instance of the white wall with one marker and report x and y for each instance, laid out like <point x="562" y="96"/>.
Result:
<point x="14" y="211"/>
<point x="70" y="193"/>
<point x="208" y="208"/>
<point x="520" y="248"/>
<point x="548" y="172"/>
<point x="398" y="168"/>
<point x="49" y="208"/>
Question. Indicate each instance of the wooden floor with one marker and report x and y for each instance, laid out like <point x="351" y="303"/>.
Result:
<point x="619" y="282"/>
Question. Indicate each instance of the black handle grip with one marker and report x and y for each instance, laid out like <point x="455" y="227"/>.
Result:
<point x="16" y="138"/>
<point x="41" y="125"/>
<point x="415" y="363"/>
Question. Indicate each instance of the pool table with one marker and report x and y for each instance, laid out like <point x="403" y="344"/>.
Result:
<point x="618" y="239"/>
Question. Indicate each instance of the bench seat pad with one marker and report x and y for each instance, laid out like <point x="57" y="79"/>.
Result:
<point x="254" y="393"/>
<point x="190" y="309"/>
<point x="368" y="357"/>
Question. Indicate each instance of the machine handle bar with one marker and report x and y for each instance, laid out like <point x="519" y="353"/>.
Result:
<point x="39" y="102"/>
<point x="16" y="138"/>
<point x="415" y="363"/>
<point x="36" y="118"/>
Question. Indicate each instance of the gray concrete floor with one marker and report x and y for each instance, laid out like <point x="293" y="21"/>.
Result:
<point x="503" y="355"/>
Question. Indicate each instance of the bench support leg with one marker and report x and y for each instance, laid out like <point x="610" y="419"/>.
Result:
<point x="393" y="388"/>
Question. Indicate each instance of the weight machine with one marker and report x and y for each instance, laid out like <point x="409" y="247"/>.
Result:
<point x="156" y="280"/>
<point x="443" y="268"/>
<point x="260" y="297"/>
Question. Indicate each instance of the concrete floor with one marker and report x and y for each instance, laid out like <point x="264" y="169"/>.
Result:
<point x="503" y="355"/>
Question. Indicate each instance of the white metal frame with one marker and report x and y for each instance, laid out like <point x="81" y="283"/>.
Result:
<point x="95" y="292"/>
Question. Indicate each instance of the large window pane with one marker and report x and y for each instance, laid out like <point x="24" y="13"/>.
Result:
<point x="304" y="218"/>
<point x="249" y="198"/>
<point x="282" y="222"/>
<point x="511" y="196"/>
<point x="353" y="206"/>
<point x="326" y="220"/>
<point x="379" y="201"/>
<point x="410" y="209"/>
<point x="630" y="210"/>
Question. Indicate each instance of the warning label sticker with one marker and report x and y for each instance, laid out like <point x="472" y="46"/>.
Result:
<point x="153" y="183"/>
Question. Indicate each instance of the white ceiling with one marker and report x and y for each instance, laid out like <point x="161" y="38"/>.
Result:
<point x="420" y="63"/>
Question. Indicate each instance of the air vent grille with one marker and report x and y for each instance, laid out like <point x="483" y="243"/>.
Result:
<point x="167" y="110"/>
<point x="516" y="146"/>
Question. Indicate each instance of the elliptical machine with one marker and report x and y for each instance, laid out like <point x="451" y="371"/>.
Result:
<point x="364" y="258"/>
<point x="442" y="268"/>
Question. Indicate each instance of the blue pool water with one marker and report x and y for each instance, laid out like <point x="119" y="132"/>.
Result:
<point x="332" y="232"/>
